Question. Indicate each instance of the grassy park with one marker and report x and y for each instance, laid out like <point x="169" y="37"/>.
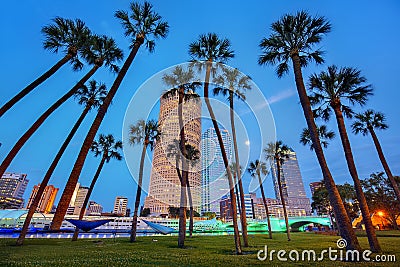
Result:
<point x="163" y="251"/>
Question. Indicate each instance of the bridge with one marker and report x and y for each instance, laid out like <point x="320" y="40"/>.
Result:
<point x="295" y="223"/>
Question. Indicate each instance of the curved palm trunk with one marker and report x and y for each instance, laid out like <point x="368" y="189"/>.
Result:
<point x="345" y="228"/>
<point x="76" y="171"/>
<point x="34" y="84"/>
<point x="243" y="218"/>
<point x="278" y="167"/>
<point x="372" y="239"/>
<point x="384" y="163"/>
<point x="191" y="220"/>
<point x="89" y="193"/>
<point x="226" y="162"/>
<point x="265" y="205"/>
<point x="47" y="177"/>
<point x="138" y="193"/>
<point x="25" y="137"/>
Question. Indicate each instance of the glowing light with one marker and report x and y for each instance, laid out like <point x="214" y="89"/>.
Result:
<point x="380" y="213"/>
<point x="247" y="142"/>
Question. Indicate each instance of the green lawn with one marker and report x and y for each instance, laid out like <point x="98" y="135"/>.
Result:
<point x="162" y="251"/>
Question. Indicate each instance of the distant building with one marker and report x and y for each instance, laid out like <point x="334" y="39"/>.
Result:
<point x="275" y="209"/>
<point x="78" y="197"/>
<point x="94" y="208"/>
<point x="12" y="189"/>
<point x="293" y="190"/>
<point x="315" y="186"/>
<point x="120" y="205"/>
<point x="225" y="207"/>
<point x="46" y="202"/>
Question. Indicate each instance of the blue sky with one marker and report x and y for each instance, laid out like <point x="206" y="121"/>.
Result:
<point x="365" y="35"/>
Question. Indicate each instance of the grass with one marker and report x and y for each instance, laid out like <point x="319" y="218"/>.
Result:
<point x="162" y="251"/>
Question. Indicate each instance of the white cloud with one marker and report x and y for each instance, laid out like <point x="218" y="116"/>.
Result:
<point x="281" y="96"/>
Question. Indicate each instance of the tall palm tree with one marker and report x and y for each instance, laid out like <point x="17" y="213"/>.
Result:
<point x="91" y="97"/>
<point x="365" y="123"/>
<point x="257" y="168"/>
<point x="145" y="133"/>
<point x="277" y="153"/>
<point x="108" y="148"/>
<point x="106" y="53"/>
<point x="294" y="38"/>
<point x="142" y="25"/>
<point x="67" y="35"/>
<point x="323" y="133"/>
<point x="329" y="90"/>
<point x="211" y="49"/>
<point x="182" y="84"/>
<point x="233" y="83"/>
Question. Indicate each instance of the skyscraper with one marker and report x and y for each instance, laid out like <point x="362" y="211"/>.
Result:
<point x="47" y="199"/>
<point x="120" y="205"/>
<point x="165" y="186"/>
<point x="78" y="197"/>
<point x="292" y="184"/>
<point x="12" y="189"/>
<point x="213" y="181"/>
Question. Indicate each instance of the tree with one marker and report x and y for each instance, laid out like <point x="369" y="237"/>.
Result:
<point x="277" y="153"/>
<point x="173" y="212"/>
<point x="145" y="134"/>
<point x="232" y="83"/>
<point x="145" y="24"/>
<point x="107" y="53"/>
<point x="145" y="212"/>
<point x="323" y="134"/>
<point x="257" y="168"/>
<point x="67" y="35"/>
<point x="381" y="197"/>
<point x="91" y="97"/>
<point x="367" y="122"/>
<point x="108" y="149"/>
<point x="235" y="181"/>
<point x="293" y="38"/>
<point x="182" y="84"/>
<point x="211" y="49"/>
<point x="329" y="91"/>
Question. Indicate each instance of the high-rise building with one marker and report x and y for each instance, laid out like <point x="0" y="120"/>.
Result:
<point x="78" y="197"/>
<point x="47" y="199"/>
<point x="213" y="181"/>
<point x="225" y="207"/>
<point x="94" y="208"/>
<point x="314" y="186"/>
<point x="165" y="188"/>
<point x="293" y="190"/>
<point x="12" y="189"/>
<point x="120" y="205"/>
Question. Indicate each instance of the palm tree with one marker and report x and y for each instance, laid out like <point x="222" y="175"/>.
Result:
<point x="323" y="133"/>
<point x="211" y="49"/>
<point x="232" y="83"/>
<point x="145" y="24"/>
<point x="277" y="153"/>
<point x="182" y="84"/>
<point x="145" y="133"/>
<point x="91" y="97"/>
<point x="365" y="123"/>
<point x="293" y="38"/>
<point x="106" y="53"/>
<point x="257" y="168"/>
<point x="107" y="148"/>
<point x="65" y="34"/>
<point x="329" y="89"/>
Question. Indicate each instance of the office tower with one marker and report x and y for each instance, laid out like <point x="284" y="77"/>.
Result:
<point x="78" y="197"/>
<point x="213" y="181"/>
<point x="120" y="205"/>
<point x="47" y="199"/>
<point x="165" y="187"/>
<point x="12" y="189"/>
<point x="315" y="186"/>
<point x="94" y="208"/>
<point x="292" y="184"/>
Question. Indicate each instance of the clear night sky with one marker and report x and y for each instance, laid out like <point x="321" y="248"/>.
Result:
<point x="365" y="35"/>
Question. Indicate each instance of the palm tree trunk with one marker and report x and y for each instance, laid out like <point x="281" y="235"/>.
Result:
<point x="372" y="239"/>
<point x="243" y="218"/>
<point x="265" y="206"/>
<point x="384" y="163"/>
<point x="237" y="194"/>
<point x="47" y="177"/>
<point x="76" y="171"/>
<point x="225" y="158"/>
<point x="138" y="193"/>
<point x="191" y="212"/>
<point x="89" y="193"/>
<point x="278" y="171"/>
<point x="24" y="138"/>
<point x="34" y="84"/>
<point x="345" y="228"/>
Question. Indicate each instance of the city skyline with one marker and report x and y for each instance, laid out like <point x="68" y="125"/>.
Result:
<point x="349" y="44"/>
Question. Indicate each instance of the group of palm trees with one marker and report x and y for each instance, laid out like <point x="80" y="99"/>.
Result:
<point x="293" y="39"/>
